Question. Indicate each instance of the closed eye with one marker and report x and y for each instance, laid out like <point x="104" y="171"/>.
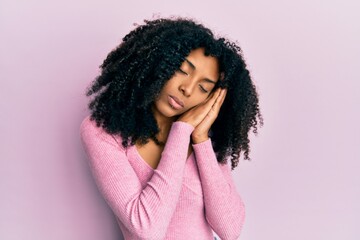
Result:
<point x="203" y="89"/>
<point x="185" y="73"/>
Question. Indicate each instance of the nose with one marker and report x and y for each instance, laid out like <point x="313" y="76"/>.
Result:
<point x="187" y="87"/>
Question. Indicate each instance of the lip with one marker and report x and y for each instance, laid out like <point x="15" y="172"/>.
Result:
<point x="178" y="101"/>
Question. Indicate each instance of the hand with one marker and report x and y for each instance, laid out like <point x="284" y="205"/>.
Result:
<point x="203" y="115"/>
<point x="201" y="132"/>
<point x="196" y="114"/>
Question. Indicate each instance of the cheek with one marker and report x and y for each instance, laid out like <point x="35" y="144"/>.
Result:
<point x="206" y="97"/>
<point x="199" y="101"/>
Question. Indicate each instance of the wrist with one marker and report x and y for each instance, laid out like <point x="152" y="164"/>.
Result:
<point x="185" y="122"/>
<point x="196" y="140"/>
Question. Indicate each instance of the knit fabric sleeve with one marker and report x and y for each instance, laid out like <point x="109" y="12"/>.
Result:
<point x="224" y="208"/>
<point x="145" y="212"/>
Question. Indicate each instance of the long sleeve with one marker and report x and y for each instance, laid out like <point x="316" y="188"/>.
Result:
<point x="224" y="208"/>
<point x="145" y="212"/>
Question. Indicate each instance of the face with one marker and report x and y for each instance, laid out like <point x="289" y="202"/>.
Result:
<point x="191" y="85"/>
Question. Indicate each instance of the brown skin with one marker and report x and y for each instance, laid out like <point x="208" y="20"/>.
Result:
<point x="204" y="115"/>
<point x="200" y="108"/>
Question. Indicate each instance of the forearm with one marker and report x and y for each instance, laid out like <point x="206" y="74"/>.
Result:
<point x="224" y="208"/>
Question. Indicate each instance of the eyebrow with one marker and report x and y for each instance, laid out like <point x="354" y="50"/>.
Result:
<point x="193" y="67"/>
<point x="190" y="63"/>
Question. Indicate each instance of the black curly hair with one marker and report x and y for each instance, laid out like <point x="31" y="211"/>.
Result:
<point x="146" y="59"/>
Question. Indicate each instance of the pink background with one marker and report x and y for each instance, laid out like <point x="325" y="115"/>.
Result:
<point x="304" y="179"/>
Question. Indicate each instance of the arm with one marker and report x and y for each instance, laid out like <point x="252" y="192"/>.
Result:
<point x="224" y="208"/>
<point x="146" y="212"/>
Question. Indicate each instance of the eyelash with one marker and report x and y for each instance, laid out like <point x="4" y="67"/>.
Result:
<point x="201" y="87"/>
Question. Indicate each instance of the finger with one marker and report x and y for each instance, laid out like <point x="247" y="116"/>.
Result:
<point x="211" y="95"/>
<point x="214" y="98"/>
<point x="223" y="95"/>
<point x="211" y="98"/>
<point x="212" y="107"/>
<point x="216" y="94"/>
<point x="219" y="101"/>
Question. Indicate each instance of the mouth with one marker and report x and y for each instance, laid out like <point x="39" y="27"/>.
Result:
<point x="175" y="102"/>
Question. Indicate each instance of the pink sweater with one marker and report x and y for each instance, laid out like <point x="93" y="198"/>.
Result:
<point x="180" y="199"/>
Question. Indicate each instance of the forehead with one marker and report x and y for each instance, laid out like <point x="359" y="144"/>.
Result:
<point x="207" y="65"/>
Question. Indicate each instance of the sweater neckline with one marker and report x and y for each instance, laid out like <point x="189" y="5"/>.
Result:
<point x="137" y="154"/>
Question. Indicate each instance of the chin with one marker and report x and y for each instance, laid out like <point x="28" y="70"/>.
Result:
<point x="173" y="112"/>
<point x="165" y="110"/>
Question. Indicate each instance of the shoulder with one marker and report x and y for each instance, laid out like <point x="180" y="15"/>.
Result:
<point x="86" y="123"/>
<point x="90" y="132"/>
<point x="90" y="127"/>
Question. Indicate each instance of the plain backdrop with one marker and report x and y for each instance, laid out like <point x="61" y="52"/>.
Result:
<point x="303" y="181"/>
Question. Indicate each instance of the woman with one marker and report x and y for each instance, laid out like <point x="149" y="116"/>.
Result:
<point x="172" y="104"/>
